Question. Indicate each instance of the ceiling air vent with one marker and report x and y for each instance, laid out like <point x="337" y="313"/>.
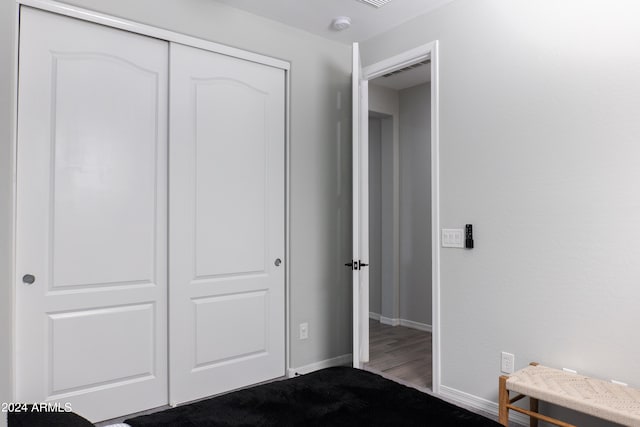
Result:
<point x="375" y="3"/>
<point x="410" y="67"/>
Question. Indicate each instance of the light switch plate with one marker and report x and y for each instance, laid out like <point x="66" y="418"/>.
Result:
<point x="452" y="238"/>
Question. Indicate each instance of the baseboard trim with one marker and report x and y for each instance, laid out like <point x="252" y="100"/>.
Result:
<point x="476" y="403"/>
<point x="401" y="322"/>
<point x="416" y="325"/>
<point x="389" y="321"/>
<point x="344" y="360"/>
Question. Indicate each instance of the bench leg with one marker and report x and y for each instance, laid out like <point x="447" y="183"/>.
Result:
<point x="503" y="401"/>
<point x="533" y="406"/>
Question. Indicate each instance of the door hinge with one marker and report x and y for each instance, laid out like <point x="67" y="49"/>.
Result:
<point x="356" y="265"/>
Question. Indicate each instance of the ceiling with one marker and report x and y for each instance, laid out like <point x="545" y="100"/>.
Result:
<point x="315" y="16"/>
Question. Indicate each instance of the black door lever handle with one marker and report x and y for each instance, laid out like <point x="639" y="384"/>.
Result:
<point x="356" y="265"/>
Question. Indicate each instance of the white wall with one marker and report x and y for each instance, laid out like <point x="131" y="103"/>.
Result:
<point x="320" y="159"/>
<point x="7" y="18"/>
<point x="375" y="215"/>
<point x="386" y="102"/>
<point x="539" y="150"/>
<point x="415" y="203"/>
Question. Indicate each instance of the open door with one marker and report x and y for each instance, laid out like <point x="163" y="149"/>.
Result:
<point x="360" y="258"/>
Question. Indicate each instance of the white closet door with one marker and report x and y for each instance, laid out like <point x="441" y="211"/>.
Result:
<point x="91" y="217"/>
<point x="227" y="223"/>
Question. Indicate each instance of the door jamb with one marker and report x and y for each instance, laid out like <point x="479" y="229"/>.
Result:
<point x="421" y="53"/>
<point x="288" y="357"/>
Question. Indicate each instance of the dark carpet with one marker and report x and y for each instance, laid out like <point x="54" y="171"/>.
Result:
<point x="330" y="397"/>
<point x="35" y="418"/>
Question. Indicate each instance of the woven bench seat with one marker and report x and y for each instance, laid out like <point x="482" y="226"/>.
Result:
<point x="595" y="397"/>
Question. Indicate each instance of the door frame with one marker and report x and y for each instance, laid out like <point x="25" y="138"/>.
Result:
<point x="169" y="36"/>
<point x="370" y="72"/>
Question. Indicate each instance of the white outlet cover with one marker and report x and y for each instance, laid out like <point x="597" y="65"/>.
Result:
<point x="452" y="238"/>
<point x="507" y="362"/>
<point x="304" y="331"/>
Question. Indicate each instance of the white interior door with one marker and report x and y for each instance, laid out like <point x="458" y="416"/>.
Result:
<point x="227" y="311"/>
<point x="91" y="217"/>
<point x="360" y="141"/>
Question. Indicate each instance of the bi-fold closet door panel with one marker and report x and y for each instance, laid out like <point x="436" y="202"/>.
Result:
<point x="91" y="217"/>
<point x="227" y="206"/>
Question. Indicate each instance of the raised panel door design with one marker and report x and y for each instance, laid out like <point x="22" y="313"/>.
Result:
<point x="103" y="195"/>
<point x="91" y="217"/>
<point x="214" y="315"/>
<point x="231" y="180"/>
<point x="227" y="223"/>
<point x="90" y="348"/>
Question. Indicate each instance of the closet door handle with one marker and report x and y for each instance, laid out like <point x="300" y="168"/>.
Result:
<point x="28" y="279"/>
<point x="277" y="262"/>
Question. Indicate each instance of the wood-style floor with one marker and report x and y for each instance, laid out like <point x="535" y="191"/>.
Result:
<point x="400" y="352"/>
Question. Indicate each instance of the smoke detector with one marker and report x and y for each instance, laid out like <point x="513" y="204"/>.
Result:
<point x="340" y="23"/>
<point x="375" y="3"/>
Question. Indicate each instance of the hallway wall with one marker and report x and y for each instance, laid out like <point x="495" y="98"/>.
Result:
<point x="409" y="297"/>
<point x="375" y="215"/>
<point x="415" y="204"/>
<point x="385" y="103"/>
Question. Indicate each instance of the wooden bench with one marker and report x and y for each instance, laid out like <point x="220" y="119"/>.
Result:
<point x="602" y="399"/>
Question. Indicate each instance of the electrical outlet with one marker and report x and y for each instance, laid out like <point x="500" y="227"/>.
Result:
<point x="508" y="362"/>
<point x="304" y="331"/>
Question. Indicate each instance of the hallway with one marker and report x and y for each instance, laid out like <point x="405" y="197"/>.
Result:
<point x="400" y="352"/>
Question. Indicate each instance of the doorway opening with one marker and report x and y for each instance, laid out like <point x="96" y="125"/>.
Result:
<point x="400" y="224"/>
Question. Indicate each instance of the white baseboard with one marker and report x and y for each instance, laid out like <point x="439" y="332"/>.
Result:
<point x="416" y="325"/>
<point x="475" y="403"/>
<point x="344" y="360"/>
<point x="400" y="322"/>
<point x="389" y="321"/>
